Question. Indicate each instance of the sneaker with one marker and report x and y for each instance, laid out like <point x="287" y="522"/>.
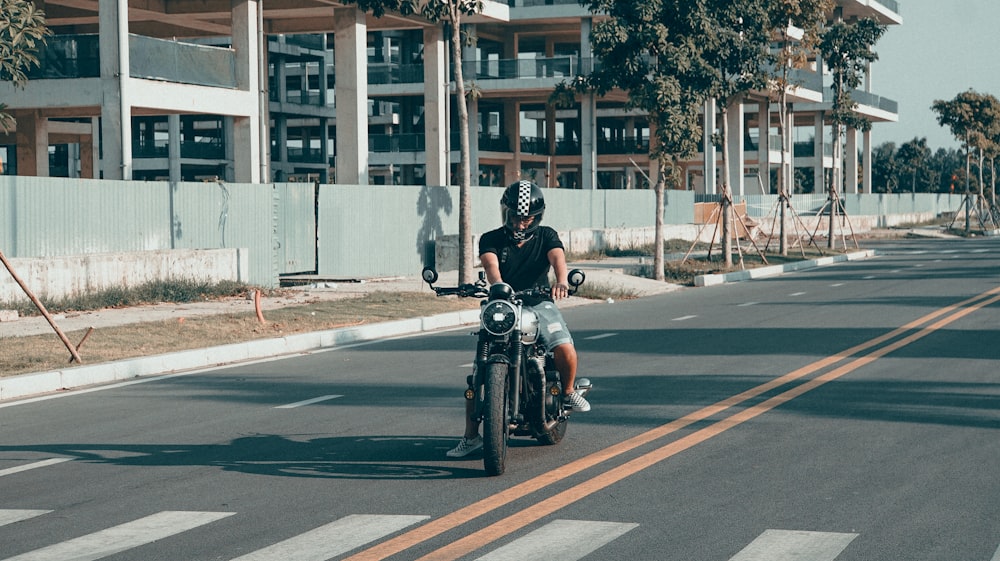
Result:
<point x="576" y="402"/>
<point x="466" y="447"/>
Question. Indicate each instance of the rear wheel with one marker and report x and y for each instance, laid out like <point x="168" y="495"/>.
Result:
<point x="555" y="430"/>
<point x="495" y="419"/>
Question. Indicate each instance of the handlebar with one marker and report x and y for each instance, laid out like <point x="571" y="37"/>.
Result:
<point x="480" y="290"/>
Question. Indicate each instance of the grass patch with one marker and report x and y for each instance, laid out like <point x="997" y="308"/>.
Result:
<point x="154" y="292"/>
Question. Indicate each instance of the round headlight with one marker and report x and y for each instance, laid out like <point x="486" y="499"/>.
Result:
<point x="499" y="317"/>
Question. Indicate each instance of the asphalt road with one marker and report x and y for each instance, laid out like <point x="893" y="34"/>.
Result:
<point x="850" y="412"/>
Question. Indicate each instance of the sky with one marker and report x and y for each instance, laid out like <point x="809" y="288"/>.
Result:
<point x="943" y="47"/>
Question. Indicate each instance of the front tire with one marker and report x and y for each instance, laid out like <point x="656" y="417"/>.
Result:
<point x="495" y="419"/>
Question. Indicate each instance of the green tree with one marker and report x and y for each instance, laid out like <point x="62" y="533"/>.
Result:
<point x="974" y="119"/>
<point x="22" y="32"/>
<point x="794" y="51"/>
<point x="912" y="157"/>
<point x="650" y="49"/>
<point x="451" y="12"/>
<point x="847" y="50"/>
<point x="736" y="39"/>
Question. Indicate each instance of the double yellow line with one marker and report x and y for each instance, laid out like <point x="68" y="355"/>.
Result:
<point x="875" y="349"/>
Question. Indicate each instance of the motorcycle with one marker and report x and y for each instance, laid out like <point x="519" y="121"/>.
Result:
<point x="514" y="387"/>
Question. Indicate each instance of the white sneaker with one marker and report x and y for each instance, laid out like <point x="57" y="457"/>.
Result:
<point x="466" y="447"/>
<point x="576" y="402"/>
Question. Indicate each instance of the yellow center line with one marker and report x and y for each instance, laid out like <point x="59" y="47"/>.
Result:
<point x="508" y="525"/>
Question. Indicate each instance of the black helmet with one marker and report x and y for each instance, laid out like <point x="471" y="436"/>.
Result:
<point x="520" y="201"/>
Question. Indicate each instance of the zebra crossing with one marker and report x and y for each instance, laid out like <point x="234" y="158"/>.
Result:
<point x="567" y="540"/>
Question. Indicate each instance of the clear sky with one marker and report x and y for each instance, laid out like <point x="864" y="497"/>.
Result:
<point x="943" y="48"/>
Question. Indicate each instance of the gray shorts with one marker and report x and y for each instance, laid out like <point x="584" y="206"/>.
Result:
<point x="551" y="326"/>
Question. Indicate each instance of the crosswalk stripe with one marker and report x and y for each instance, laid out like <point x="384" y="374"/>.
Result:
<point x="334" y="538"/>
<point x="560" y="539"/>
<point x="122" y="537"/>
<point x="996" y="556"/>
<point x="34" y="465"/>
<point x="12" y="515"/>
<point x="793" y="545"/>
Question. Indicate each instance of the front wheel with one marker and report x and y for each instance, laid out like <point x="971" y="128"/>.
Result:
<point x="495" y="419"/>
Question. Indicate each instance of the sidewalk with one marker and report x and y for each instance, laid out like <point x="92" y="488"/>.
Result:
<point x="609" y="273"/>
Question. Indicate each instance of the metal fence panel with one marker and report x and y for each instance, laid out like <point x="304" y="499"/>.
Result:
<point x="46" y="217"/>
<point x="227" y="215"/>
<point x="296" y="223"/>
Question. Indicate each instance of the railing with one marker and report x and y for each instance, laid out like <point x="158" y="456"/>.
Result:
<point x="68" y="56"/>
<point x="412" y="142"/>
<point x="391" y="73"/>
<point x="507" y="69"/>
<point x="866" y="98"/>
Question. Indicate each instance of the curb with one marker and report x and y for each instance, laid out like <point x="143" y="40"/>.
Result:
<point x="36" y="384"/>
<point x="28" y="385"/>
<point x="774" y="270"/>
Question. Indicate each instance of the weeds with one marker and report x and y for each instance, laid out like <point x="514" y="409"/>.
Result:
<point x="154" y="292"/>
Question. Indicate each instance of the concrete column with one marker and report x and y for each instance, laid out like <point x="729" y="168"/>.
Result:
<point x="89" y="156"/>
<point x="469" y="55"/>
<point x="866" y="162"/>
<point x="708" y="147"/>
<point x="351" y="62"/>
<point x="32" y="139"/>
<point x="116" y="111"/>
<point x="764" y="145"/>
<point x="174" y="148"/>
<point x="851" y="162"/>
<point x="588" y="119"/>
<point x="734" y="114"/>
<point x="436" y="105"/>
<point x="819" y="154"/>
<point x="246" y="140"/>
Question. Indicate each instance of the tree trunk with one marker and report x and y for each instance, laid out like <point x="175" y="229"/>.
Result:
<point x="658" y="236"/>
<point x="726" y="200"/>
<point x="465" y="174"/>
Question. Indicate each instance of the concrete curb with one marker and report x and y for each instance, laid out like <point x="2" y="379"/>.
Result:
<point x="774" y="270"/>
<point x="27" y="385"/>
<point x="35" y="384"/>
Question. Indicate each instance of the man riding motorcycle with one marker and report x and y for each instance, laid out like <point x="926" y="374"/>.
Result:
<point x="521" y="253"/>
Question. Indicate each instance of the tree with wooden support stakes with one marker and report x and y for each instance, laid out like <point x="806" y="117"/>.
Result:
<point x="847" y="50"/>
<point x="974" y="119"/>
<point x="795" y="49"/>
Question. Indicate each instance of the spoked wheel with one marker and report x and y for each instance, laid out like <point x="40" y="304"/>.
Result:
<point x="495" y="419"/>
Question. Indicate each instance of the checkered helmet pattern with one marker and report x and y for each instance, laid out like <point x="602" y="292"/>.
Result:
<point x="521" y="200"/>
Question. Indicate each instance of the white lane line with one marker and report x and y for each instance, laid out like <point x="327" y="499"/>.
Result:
<point x="123" y="537"/>
<point x="748" y="304"/>
<point x="565" y="540"/>
<point x="601" y="336"/>
<point x="793" y="545"/>
<point x="333" y="539"/>
<point x="11" y="516"/>
<point x="918" y="265"/>
<point x="308" y="401"/>
<point x="35" y="465"/>
<point x="683" y="318"/>
<point x="996" y="556"/>
<point x="979" y="251"/>
<point x="870" y="277"/>
<point x="834" y="285"/>
<point x="797" y="294"/>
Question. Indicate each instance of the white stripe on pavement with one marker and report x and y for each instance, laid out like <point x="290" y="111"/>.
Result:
<point x="35" y="465"/>
<point x="793" y="545"/>
<point x="333" y="539"/>
<point x="565" y="540"/>
<point x="683" y="318"/>
<point x="13" y="515"/>
<point x="123" y="537"/>
<point x="996" y="556"/>
<point x="308" y="401"/>
<point x="601" y="336"/>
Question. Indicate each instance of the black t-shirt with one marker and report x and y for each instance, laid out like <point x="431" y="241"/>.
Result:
<point x="526" y="266"/>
